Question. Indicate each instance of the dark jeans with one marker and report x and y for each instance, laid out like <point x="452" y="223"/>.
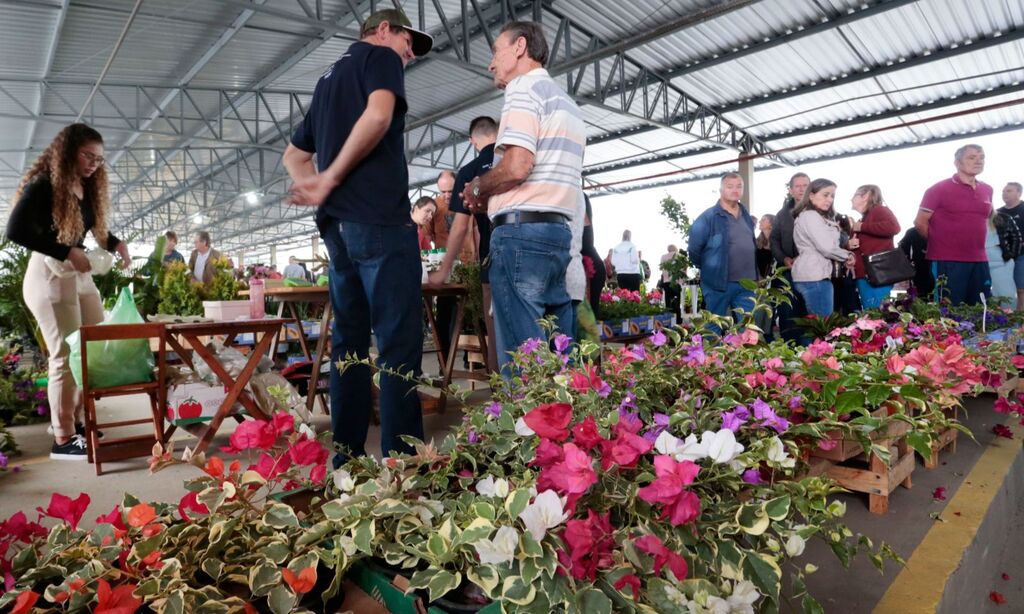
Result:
<point x="966" y="282"/>
<point x="673" y="294"/>
<point x="787" y="313"/>
<point x="528" y="263"/>
<point x="445" y="321"/>
<point x="629" y="281"/>
<point x="375" y="277"/>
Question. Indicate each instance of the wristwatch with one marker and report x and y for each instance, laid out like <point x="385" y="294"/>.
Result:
<point x="476" y="188"/>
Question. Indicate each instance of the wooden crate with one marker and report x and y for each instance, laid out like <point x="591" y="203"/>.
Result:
<point x="846" y="449"/>
<point x="869" y="474"/>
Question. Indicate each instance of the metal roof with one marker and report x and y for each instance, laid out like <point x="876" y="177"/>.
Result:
<point x="201" y="95"/>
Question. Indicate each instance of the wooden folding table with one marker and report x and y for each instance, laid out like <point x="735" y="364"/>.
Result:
<point x="185" y="337"/>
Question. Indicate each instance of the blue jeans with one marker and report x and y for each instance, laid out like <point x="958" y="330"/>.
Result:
<point x="528" y="263"/>
<point x="818" y="296"/>
<point x="966" y="282"/>
<point x="1018" y="272"/>
<point x="375" y="276"/>
<point x="871" y="297"/>
<point x="726" y="303"/>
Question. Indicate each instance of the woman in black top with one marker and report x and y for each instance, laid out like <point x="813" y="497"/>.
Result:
<point x="61" y="197"/>
<point x="763" y="253"/>
<point x="596" y="283"/>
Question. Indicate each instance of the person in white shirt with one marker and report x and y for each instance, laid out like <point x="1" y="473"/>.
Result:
<point x="293" y="270"/>
<point x="626" y="260"/>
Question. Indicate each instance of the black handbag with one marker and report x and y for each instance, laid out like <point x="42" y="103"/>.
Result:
<point x="888" y="267"/>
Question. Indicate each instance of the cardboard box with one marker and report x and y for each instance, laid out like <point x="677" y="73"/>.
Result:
<point x="198" y="401"/>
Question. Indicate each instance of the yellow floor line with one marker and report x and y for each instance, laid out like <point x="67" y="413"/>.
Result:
<point x="920" y="585"/>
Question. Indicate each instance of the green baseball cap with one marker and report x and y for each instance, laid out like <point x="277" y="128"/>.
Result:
<point x="421" y="41"/>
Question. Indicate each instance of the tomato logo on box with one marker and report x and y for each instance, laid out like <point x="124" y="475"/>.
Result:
<point x="190" y="408"/>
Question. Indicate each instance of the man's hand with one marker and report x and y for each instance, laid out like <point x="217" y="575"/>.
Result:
<point x="437" y="278"/>
<point x="788" y="262"/>
<point x="472" y="202"/>
<point x="311" y="191"/>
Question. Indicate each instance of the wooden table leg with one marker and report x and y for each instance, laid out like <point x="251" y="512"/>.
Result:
<point x="293" y="310"/>
<point x="428" y="306"/>
<point x="277" y="335"/>
<point x="449" y="365"/>
<point x="318" y="360"/>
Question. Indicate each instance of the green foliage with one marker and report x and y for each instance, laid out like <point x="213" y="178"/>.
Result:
<point x="468" y="274"/>
<point x="179" y="295"/>
<point x="679" y="266"/>
<point x="223" y="286"/>
<point x="15" y="316"/>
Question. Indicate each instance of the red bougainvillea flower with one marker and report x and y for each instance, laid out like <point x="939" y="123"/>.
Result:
<point x="632" y="582"/>
<point x="680" y="506"/>
<point x="1003" y="405"/>
<point x="307" y="452"/>
<point x="573" y="475"/>
<point x="214" y="467"/>
<point x="270" y="467"/>
<point x="590" y="544"/>
<point x="284" y="423"/>
<point x="1001" y="430"/>
<point x="624" y="450"/>
<point x="1005" y="576"/>
<point x="652" y="545"/>
<point x="65" y="508"/>
<point x="547" y="453"/>
<point x="550" y="421"/>
<point x="939" y="494"/>
<point x="141" y="515"/>
<point x="997" y="598"/>
<point x="25" y="602"/>
<point x="190" y="503"/>
<point x="18" y="528"/>
<point x="251" y="434"/>
<point x="116" y="601"/>
<point x="585" y="434"/>
<point x="318" y="473"/>
<point x="303" y="582"/>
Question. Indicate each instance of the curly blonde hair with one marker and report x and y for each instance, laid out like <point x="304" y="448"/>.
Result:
<point x="58" y="163"/>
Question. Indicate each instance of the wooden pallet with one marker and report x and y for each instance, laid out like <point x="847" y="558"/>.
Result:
<point x="869" y="474"/>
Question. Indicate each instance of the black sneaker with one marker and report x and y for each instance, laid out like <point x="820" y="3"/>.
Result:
<point x="80" y="430"/>
<point x="73" y="449"/>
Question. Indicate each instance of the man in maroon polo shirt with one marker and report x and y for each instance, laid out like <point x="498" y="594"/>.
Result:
<point x="954" y="219"/>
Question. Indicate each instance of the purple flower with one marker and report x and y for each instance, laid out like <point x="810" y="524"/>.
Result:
<point x="630" y="418"/>
<point x="473" y="437"/>
<point x="493" y="410"/>
<point x="628" y="402"/>
<point x="16" y="469"/>
<point x="638" y="352"/>
<point x="752" y="476"/>
<point x="530" y="345"/>
<point x="3" y="460"/>
<point x="695" y="353"/>
<point x="22" y="395"/>
<point x="40" y="395"/>
<point x="795" y="402"/>
<point x="604" y="390"/>
<point x="562" y="343"/>
<point x="768" y="417"/>
<point x="659" y="339"/>
<point x="660" y="424"/>
<point x="736" y="418"/>
<point x="42" y="410"/>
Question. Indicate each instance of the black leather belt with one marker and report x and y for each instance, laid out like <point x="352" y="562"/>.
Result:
<point x="528" y="217"/>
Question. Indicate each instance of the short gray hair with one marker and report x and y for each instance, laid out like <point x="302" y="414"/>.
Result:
<point x="1015" y="185"/>
<point x="626" y="235"/>
<point x="731" y="175"/>
<point x="536" y="43"/>
<point x="960" y="153"/>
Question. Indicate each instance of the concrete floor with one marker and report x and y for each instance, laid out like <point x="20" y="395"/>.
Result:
<point x="850" y="591"/>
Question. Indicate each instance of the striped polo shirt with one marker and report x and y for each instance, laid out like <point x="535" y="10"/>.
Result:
<point x="539" y="116"/>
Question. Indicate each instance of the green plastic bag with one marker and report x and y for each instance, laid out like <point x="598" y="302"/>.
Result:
<point x="115" y="362"/>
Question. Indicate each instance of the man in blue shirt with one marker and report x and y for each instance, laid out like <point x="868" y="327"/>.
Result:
<point x="355" y="125"/>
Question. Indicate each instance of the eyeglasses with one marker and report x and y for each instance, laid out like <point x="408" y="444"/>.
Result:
<point x="93" y="158"/>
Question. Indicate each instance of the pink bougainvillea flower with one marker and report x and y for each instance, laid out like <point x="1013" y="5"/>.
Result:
<point x="585" y="434"/>
<point x="590" y="543"/>
<point x="547" y="453"/>
<point x="307" y="452"/>
<point x="1003" y="406"/>
<point x="284" y="423"/>
<point x="1001" y="430"/>
<point x="679" y="505"/>
<point x="652" y="545"/>
<point x="816" y="350"/>
<point x="67" y="509"/>
<point x="939" y="494"/>
<point x="251" y="434"/>
<point x="550" y="421"/>
<point x="624" y="450"/>
<point x="270" y="467"/>
<point x="895" y="364"/>
<point x="190" y="503"/>
<point x="574" y="475"/>
<point x="318" y="473"/>
<point x="632" y="582"/>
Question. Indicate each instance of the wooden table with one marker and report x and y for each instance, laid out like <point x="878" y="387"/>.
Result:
<point x="321" y="294"/>
<point x="179" y="336"/>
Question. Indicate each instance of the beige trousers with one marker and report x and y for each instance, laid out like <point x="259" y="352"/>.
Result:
<point x="61" y="305"/>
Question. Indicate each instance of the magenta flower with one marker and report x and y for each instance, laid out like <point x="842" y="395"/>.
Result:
<point x="659" y="339"/>
<point x="752" y="476"/>
<point x="562" y="343"/>
<point x="679" y="505"/>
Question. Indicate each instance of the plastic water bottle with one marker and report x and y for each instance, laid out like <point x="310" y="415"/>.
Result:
<point x="256" y="303"/>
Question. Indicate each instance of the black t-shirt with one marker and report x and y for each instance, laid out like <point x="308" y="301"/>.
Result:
<point x="31" y="222"/>
<point x="479" y="166"/>
<point x="377" y="189"/>
<point x="1017" y="213"/>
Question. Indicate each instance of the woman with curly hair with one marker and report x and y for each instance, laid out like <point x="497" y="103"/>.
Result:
<point x="61" y="197"/>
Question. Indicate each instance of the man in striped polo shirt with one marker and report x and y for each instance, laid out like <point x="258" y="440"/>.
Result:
<point x="532" y="193"/>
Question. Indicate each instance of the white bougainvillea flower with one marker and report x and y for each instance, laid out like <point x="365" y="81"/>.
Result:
<point x="501" y="549"/>
<point x="778" y="455"/>
<point x="522" y="430"/>
<point x="491" y="487"/>
<point x="722" y="446"/>
<point x="689" y="449"/>
<point x="546" y="512"/>
<point x="343" y="480"/>
<point x="795" y="545"/>
<point x="743" y="596"/>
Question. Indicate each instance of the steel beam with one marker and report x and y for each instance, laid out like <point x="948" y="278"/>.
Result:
<point x="51" y="52"/>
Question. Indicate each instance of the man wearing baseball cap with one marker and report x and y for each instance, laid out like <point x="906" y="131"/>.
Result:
<point x="360" y="184"/>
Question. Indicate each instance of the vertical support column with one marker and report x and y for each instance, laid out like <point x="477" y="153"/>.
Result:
<point x="241" y="260"/>
<point x="747" y="173"/>
<point x="315" y="244"/>
<point x="273" y="255"/>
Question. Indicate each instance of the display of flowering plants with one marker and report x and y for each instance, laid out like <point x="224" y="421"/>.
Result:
<point x="21" y="401"/>
<point x="227" y="543"/>
<point x="620" y="304"/>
